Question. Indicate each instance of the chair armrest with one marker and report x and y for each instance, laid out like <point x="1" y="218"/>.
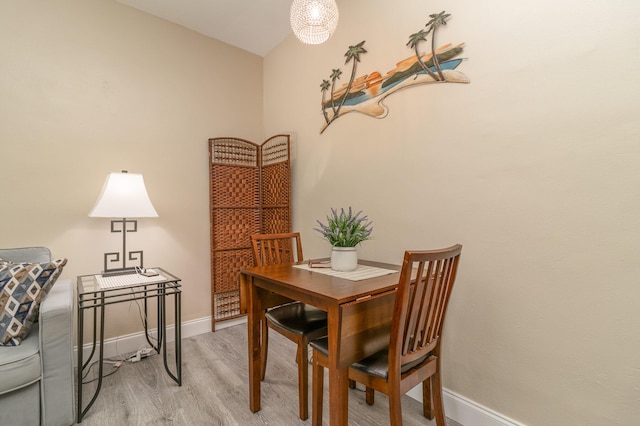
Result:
<point x="56" y="350"/>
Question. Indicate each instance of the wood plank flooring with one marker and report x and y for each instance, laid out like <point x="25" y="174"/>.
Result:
<point x="215" y="389"/>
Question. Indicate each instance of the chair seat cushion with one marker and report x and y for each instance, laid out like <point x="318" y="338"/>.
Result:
<point x="20" y="365"/>
<point x="375" y="365"/>
<point x="298" y="318"/>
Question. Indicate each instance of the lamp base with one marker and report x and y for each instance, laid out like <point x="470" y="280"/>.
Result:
<point x="118" y="271"/>
<point x="115" y="256"/>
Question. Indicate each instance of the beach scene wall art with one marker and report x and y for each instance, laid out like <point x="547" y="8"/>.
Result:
<point x="365" y="93"/>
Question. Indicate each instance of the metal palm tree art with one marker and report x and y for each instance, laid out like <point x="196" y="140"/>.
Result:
<point x="354" y="53"/>
<point x="324" y="87"/>
<point x="414" y="40"/>
<point x="437" y="19"/>
<point x="335" y="75"/>
<point x="365" y="94"/>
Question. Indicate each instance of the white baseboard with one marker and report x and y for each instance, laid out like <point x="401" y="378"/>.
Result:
<point x="457" y="407"/>
<point x="468" y="412"/>
<point x="465" y="411"/>
<point x="126" y="344"/>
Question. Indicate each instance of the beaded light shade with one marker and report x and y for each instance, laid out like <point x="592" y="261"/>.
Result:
<point x="314" y="21"/>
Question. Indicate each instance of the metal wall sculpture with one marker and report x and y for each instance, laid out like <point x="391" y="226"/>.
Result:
<point x="365" y="93"/>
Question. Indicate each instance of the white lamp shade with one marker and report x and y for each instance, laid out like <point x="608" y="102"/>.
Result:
<point x="314" y="21"/>
<point x="124" y="195"/>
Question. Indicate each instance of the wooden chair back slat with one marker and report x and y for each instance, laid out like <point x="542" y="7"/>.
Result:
<point x="425" y="284"/>
<point x="443" y="299"/>
<point x="424" y="322"/>
<point x="270" y="249"/>
<point x="435" y="305"/>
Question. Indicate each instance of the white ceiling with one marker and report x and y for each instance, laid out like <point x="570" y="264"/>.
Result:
<point x="254" y="25"/>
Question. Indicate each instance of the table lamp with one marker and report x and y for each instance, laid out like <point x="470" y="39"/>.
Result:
<point x="123" y="196"/>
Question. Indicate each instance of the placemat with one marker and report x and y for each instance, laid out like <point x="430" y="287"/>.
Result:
<point x="363" y="272"/>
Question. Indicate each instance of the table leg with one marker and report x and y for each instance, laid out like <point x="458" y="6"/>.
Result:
<point x="161" y="317"/>
<point x="162" y="332"/>
<point x="338" y="399"/>
<point x="254" y="318"/>
<point x="96" y="305"/>
<point x="145" y="322"/>
<point x="162" y="325"/>
<point x="177" y="306"/>
<point x="80" y="324"/>
<point x="338" y="377"/>
<point x="95" y="333"/>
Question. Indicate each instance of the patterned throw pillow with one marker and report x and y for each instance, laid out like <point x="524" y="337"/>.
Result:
<point x="22" y="287"/>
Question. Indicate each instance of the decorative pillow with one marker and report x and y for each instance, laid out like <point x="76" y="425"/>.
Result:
<point x="22" y="287"/>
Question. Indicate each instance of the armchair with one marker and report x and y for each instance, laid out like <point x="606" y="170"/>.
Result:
<point x="36" y="377"/>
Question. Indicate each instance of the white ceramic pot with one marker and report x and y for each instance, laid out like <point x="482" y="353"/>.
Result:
<point x="344" y="259"/>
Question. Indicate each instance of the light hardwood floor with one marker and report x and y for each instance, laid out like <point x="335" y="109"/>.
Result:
<point x="215" y="390"/>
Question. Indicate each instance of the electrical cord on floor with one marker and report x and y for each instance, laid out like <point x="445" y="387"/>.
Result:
<point x="141" y="353"/>
<point x="143" y="319"/>
<point x="116" y="365"/>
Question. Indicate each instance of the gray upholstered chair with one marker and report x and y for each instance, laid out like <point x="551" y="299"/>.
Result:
<point x="36" y="377"/>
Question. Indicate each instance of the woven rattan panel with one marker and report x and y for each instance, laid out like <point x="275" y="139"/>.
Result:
<point x="227" y="265"/>
<point x="275" y="150"/>
<point x="250" y="191"/>
<point x="274" y="220"/>
<point x="227" y="305"/>
<point x="276" y="185"/>
<point x="233" y="152"/>
<point x="234" y="227"/>
<point x="235" y="186"/>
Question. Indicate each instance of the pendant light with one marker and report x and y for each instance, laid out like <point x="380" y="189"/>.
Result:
<point x="314" y="21"/>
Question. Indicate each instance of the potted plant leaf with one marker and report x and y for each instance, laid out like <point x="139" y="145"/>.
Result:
<point x="344" y="231"/>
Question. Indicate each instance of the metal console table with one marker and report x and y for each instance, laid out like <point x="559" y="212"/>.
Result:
<point x="95" y="293"/>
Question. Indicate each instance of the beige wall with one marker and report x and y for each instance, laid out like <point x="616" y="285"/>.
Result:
<point x="533" y="167"/>
<point x="90" y="87"/>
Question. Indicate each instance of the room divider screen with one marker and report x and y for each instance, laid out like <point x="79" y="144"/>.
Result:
<point x="250" y="193"/>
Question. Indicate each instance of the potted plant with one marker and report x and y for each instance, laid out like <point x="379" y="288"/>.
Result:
<point x="344" y="231"/>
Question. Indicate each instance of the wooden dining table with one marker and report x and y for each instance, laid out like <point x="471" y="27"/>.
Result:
<point x="358" y="313"/>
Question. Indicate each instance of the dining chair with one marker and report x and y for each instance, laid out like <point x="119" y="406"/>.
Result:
<point x="414" y="336"/>
<point x="297" y="321"/>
